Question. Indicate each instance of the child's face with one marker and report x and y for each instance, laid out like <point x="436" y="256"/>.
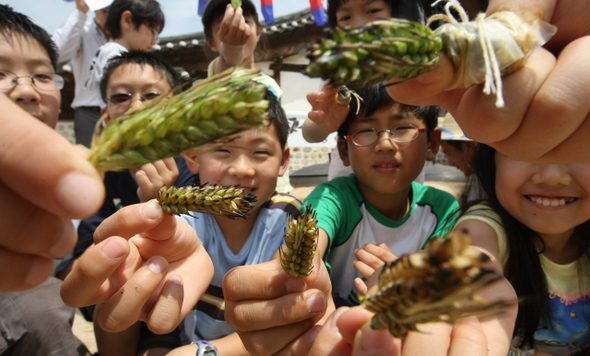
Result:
<point x="458" y="158"/>
<point x="137" y="39"/>
<point x="353" y="13"/>
<point x="252" y="159"/>
<point x="550" y="199"/>
<point x="24" y="56"/>
<point x="387" y="167"/>
<point x="142" y="82"/>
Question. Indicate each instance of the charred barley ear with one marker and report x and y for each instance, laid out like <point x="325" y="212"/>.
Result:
<point x="345" y="96"/>
<point x="374" y="53"/>
<point x="301" y="239"/>
<point x="229" y="201"/>
<point x="165" y="127"/>
<point x="433" y="285"/>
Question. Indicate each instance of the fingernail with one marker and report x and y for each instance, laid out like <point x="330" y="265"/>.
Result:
<point x="113" y="250"/>
<point x="79" y="195"/>
<point x="152" y="210"/>
<point x="316" y="304"/>
<point x="157" y="265"/>
<point x="313" y="333"/>
<point x="295" y="285"/>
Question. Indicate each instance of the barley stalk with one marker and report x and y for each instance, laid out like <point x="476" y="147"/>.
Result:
<point x="301" y="239"/>
<point x="430" y="286"/>
<point x="371" y="54"/>
<point x="219" y="106"/>
<point x="229" y="201"/>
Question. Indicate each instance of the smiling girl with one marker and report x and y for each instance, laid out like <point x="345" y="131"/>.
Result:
<point x="536" y="224"/>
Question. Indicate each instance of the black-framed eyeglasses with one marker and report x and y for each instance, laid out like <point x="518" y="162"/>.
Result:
<point x="400" y="134"/>
<point x="41" y="81"/>
<point x="125" y="98"/>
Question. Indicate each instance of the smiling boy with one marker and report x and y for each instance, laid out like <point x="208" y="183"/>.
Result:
<point x="386" y="144"/>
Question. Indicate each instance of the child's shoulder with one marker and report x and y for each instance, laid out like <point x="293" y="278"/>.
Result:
<point x="337" y="189"/>
<point x="285" y="202"/>
<point x="433" y="196"/>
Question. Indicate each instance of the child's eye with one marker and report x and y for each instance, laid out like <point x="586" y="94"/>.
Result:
<point x="375" y="10"/>
<point x="344" y="18"/>
<point x="43" y="77"/>
<point x="266" y="153"/>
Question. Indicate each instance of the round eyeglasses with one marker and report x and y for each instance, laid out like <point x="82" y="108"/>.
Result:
<point x="400" y="134"/>
<point x="41" y="81"/>
<point x="125" y="98"/>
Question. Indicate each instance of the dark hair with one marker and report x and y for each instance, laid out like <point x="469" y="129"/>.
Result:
<point x="141" y="58"/>
<point x="277" y="117"/>
<point x="523" y="267"/>
<point x="457" y="144"/>
<point x="143" y="11"/>
<point x="12" y="22"/>
<point x="375" y="98"/>
<point x="405" y="9"/>
<point x="215" y="10"/>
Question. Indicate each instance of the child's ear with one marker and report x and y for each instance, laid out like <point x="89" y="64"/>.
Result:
<point x="433" y="144"/>
<point x="192" y="161"/>
<point x="107" y="118"/>
<point x="343" y="151"/>
<point x="126" y="20"/>
<point x="211" y="44"/>
<point x="284" y="161"/>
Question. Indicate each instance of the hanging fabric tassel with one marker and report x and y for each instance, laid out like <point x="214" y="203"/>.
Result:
<point x="317" y="9"/>
<point x="267" y="11"/>
<point x="202" y="4"/>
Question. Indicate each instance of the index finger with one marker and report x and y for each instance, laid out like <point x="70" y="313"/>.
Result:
<point x="70" y="187"/>
<point x="136" y="219"/>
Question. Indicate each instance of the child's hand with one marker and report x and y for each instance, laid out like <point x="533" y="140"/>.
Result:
<point x="155" y="271"/>
<point x="152" y="176"/>
<point x="348" y="332"/>
<point x="326" y="114"/>
<point x="233" y="34"/>
<point x="81" y="6"/>
<point x="370" y="257"/>
<point x="45" y="182"/>
<point x="546" y="118"/>
<point x="274" y="313"/>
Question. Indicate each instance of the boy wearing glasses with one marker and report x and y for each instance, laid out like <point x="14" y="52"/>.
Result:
<point x="379" y="211"/>
<point x="130" y="79"/>
<point x="133" y="25"/>
<point x="34" y="321"/>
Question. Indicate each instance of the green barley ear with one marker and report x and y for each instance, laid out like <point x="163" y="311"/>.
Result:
<point x="229" y="201"/>
<point x="219" y="106"/>
<point x="371" y="54"/>
<point x="301" y="239"/>
<point x="236" y="3"/>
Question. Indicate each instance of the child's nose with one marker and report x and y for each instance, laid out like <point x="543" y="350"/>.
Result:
<point x="385" y="143"/>
<point x="552" y="174"/>
<point x="242" y="167"/>
<point x="24" y="91"/>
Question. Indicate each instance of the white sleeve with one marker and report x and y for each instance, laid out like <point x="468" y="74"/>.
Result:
<point x="67" y="38"/>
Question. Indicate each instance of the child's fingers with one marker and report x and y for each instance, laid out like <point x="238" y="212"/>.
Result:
<point x="26" y="271"/>
<point x="127" y="306"/>
<point x="265" y="281"/>
<point x="43" y="168"/>
<point x="130" y="220"/>
<point x="271" y="313"/>
<point x="372" y="342"/>
<point x="361" y="286"/>
<point x="272" y="341"/>
<point x="329" y="340"/>
<point x="28" y="229"/>
<point x="88" y="283"/>
<point x="468" y="338"/>
<point x="165" y="314"/>
<point x="365" y="270"/>
<point x="172" y="239"/>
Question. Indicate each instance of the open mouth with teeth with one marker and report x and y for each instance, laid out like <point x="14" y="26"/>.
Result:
<point x="550" y="201"/>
